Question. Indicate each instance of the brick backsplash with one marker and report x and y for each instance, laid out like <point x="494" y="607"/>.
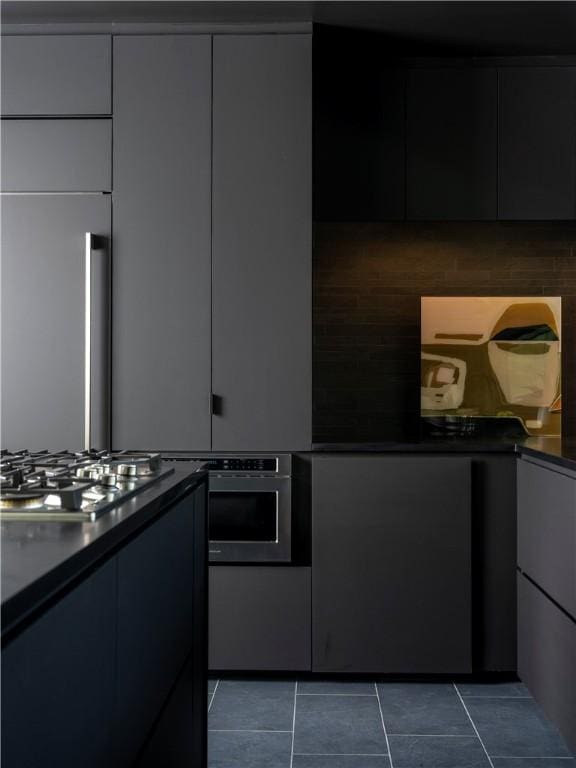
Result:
<point x="368" y="279"/>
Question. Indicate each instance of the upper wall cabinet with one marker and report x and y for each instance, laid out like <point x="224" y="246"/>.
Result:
<point x="537" y="162"/>
<point x="261" y="242"/>
<point x="451" y="143"/>
<point x="161" y="272"/>
<point x="359" y="134"/>
<point x="56" y="75"/>
<point x="56" y="155"/>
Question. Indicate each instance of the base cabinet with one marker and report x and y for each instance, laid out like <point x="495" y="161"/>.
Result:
<point x="155" y="622"/>
<point x="259" y="618"/>
<point x="58" y="682"/>
<point x="547" y="531"/>
<point x="547" y="590"/>
<point x="547" y="656"/>
<point x="391" y="555"/>
<point x="494" y="562"/>
<point x="86" y="684"/>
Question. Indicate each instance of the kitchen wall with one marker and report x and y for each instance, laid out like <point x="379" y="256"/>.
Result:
<point x="368" y="279"/>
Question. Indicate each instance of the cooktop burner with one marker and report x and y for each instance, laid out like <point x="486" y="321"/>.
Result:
<point x="72" y="486"/>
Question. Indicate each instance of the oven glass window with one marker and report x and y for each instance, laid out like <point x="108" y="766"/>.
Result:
<point x="243" y="516"/>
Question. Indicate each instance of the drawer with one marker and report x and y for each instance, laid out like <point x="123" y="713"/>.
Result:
<point x="259" y="618"/>
<point x="56" y="75"/>
<point x="56" y="155"/>
<point x="547" y="657"/>
<point x="547" y="531"/>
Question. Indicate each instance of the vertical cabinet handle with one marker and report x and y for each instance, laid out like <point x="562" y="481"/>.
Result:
<point x="216" y="405"/>
<point x="87" y="339"/>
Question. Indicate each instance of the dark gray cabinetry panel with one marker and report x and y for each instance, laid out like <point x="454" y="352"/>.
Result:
<point x="56" y="155"/>
<point x="43" y="268"/>
<point x="494" y="558"/>
<point x="56" y="75"/>
<point x="259" y="618"/>
<point x="451" y="143"/>
<point x="359" y="130"/>
<point x="155" y="621"/>
<point x="58" y="680"/>
<point x="547" y="657"/>
<point x="391" y="559"/>
<point x="537" y="138"/>
<point x="161" y="346"/>
<point x="172" y="743"/>
<point x="261" y="328"/>
<point x="547" y="531"/>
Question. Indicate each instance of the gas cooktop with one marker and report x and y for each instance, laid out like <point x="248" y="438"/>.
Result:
<point x="70" y="486"/>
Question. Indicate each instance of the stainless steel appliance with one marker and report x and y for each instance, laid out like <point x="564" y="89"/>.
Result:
<point x="250" y="506"/>
<point x="67" y="487"/>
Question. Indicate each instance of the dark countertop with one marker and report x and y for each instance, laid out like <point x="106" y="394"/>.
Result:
<point x="551" y="449"/>
<point x="41" y="558"/>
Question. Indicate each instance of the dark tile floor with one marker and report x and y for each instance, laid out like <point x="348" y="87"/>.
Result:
<point x="279" y="724"/>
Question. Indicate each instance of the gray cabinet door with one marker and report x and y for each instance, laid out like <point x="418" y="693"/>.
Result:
<point x="58" y="681"/>
<point x="56" y="74"/>
<point x="56" y="155"/>
<point x="43" y="303"/>
<point x="391" y="564"/>
<point x="261" y="328"/>
<point x="259" y="618"/>
<point x="155" y="622"/>
<point x="537" y="135"/>
<point x="161" y="336"/>
<point x="547" y="531"/>
<point x="451" y="161"/>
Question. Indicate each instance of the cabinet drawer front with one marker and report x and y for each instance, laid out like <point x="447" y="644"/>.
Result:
<point x="56" y="75"/>
<point x="259" y="618"/>
<point x="56" y="155"/>
<point x="547" y="531"/>
<point x="547" y="657"/>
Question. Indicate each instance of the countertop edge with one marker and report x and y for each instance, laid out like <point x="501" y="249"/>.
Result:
<point x="548" y="455"/>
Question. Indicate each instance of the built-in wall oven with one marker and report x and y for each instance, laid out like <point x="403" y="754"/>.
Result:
<point x="250" y="506"/>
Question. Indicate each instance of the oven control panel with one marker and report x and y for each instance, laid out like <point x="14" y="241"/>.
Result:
<point x="240" y="464"/>
<point x="243" y="465"/>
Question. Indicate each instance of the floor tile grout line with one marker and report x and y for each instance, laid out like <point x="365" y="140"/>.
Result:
<point x="521" y="698"/>
<point x="244" y="730"/>
<point x="533" y="757"/>
<point x="340" y="754"/>
<point x="294" y="723"/>
<point x="384" y="727"/>
<point x="369" y="695"/>
<point x="213" y="694"/>
<point x="435" y="735"/>
<point x="473" y="724"/>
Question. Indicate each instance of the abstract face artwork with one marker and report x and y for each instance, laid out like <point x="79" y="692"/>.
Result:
<point x="496" y="358"/>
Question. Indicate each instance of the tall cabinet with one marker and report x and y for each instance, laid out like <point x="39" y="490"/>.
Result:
<point x="212" y="242"/>
<point x="261" y="241"/>
<point x="161" y="289"/>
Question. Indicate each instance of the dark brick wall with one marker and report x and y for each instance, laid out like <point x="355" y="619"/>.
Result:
<point x="368" y="279"/>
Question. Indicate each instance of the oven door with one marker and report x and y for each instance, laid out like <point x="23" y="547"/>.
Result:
<point x="250" y="519"/>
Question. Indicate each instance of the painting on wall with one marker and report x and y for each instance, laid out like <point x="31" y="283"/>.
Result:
<point x="494" y="361"/>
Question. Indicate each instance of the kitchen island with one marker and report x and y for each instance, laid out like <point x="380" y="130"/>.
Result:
<point x="104" y="633"/>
